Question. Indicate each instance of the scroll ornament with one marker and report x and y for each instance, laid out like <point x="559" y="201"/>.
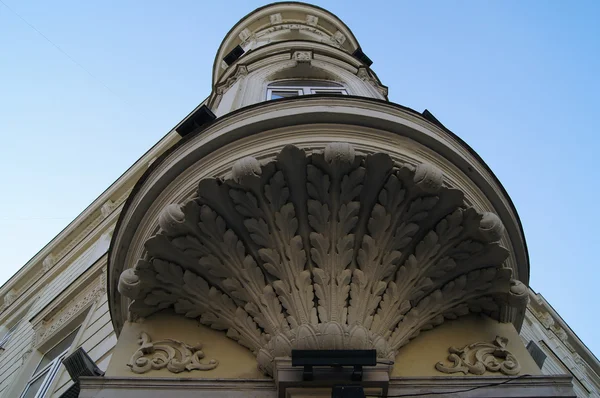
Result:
<point x="329" y="250"/>
<point x="478" y="358"/>
<point x="171" y="354"/>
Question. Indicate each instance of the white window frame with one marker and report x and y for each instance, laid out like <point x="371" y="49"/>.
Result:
<point x="288" y="89"/>
<point x="307" y="89"/>
<point x="49" y="371"/>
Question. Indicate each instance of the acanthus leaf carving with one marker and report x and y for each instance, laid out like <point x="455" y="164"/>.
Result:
<point x="174" y="355"/>
<point x="332" y="249"/>
<point x="478" y="358"/>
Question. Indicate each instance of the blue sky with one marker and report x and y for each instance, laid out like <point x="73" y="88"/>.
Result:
<point x="518" y="81"/>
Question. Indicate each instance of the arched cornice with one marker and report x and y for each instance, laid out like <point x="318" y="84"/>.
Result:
<point x="232" y="38"/>
<point x="311" y="122"/>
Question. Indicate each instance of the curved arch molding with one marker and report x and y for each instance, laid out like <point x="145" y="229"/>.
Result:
<point x="330" y="249"/>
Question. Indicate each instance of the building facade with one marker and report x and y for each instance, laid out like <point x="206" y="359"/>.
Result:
<point x="295" y="208"/>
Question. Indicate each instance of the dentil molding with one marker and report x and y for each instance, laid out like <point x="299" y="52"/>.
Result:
<point x="328" y="250"/>
<point x="174" y="355"/>
<point x="478" y="358"/>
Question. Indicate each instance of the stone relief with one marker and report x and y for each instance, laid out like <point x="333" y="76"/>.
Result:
<point x="546" y="320"/>
<point x="295" y="26"/>
<point x="240" y="72"/>
<point x="560" y="333"/>
<point x="10" y="297"/>
<point x="327" y="250"/>
<point x="245" y="34"/>
<point x="364" y="75"/>
<point x="171" y="354"/>
<point x="338" y="37"/>
<point x="302" y="56"/>
<point x="312" y="20"/>
<point x="107" y="208"/>
<point x="48" y="262"/>
<point x="275" y="18"/>
<point x="478" y="358"/>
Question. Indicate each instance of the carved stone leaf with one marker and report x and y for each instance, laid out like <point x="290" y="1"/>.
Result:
<point x="449" y="302"/>
<point x="334" y="182"/>
<point x="332" y="249"/>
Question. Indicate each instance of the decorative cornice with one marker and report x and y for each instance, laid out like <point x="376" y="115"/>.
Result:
<point x="80" y="228"/>
<point x="66" y="255"/>
<point x="478" y="358"/>
<point x="240" y="71"/>
<point x="168" y="353"/>
<point x="154" y="387"/>
<point x="328" y="250"/>
<point x="364" y="74"/>
<point x="48" y="262"/>
<point x="285" y="16"/>
<point x="107" y="208"/>
<point x="48" y="327"/>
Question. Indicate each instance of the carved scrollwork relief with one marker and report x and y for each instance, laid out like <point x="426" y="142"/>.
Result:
<point x="478" y="358"/>
<point x="328" y="250"/>
<point x="171" y="354"/>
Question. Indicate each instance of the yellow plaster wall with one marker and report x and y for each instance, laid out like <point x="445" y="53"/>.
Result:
<point x="235" y="361"/>
<point x="418" y="358"/>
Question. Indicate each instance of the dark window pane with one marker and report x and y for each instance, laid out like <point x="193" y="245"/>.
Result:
<point x="328" y="92"/>
<point x="283" y="94"/>
<point x="537" y="353"/>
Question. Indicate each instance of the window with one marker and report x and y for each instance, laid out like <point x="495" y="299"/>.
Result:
<point x="48" y="368"/>
<point x="295" y="88"/>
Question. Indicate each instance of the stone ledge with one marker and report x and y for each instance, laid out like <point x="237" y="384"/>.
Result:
<point x="132" y="387"/>
<point x="522" y="386"/>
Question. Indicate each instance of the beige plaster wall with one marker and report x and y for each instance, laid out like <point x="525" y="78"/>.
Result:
<point x="418" y="358"/>
<point x="235" y="361"/>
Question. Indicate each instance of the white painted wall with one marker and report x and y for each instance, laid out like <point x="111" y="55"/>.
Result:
<point x="559" y="358"/>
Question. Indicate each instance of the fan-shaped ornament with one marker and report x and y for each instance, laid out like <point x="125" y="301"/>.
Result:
<point x="331" y="250"/>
